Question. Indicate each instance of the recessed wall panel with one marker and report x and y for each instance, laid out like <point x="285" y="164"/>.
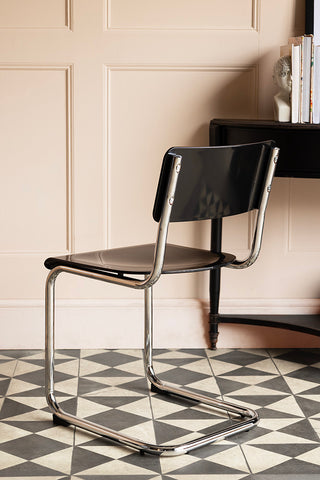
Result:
<point x="150" y="110"/>
<point x="34" y="154"/>
<point x="304" y="216"/>
<point x="34" y="13"/>
<point x="181" y="14"/>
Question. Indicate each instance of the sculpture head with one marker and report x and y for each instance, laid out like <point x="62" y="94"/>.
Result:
<point x="282" y="73"/>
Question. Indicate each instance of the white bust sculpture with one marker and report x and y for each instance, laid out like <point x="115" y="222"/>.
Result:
<point x="282" y="78"/>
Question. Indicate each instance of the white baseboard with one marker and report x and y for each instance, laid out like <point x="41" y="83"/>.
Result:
<point x="179" y="323"/>
<point x="270" y="306"/>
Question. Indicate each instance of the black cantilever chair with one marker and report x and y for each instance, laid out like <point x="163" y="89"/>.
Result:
<point x="195" y="184"/>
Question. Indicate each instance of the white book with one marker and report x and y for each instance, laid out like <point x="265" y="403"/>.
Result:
<point x="306" y="78"/>
<point x="298" y="67"/>
<point x="296" y="76"/>
<point x="316" y="85"/>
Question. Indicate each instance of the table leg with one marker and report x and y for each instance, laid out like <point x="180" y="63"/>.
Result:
<point x="216" y="233"/>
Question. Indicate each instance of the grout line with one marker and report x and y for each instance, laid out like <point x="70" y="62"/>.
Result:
<point x="210" y="365"/>
<point x="279" y="372"/>
<point x="247" y="463"/>
<point x="11" y="378"/>
<point x="240" y="445"/>
<point x="77" y="398"/>
<point x="150" y="403"/>
<point x="14" y="370"/>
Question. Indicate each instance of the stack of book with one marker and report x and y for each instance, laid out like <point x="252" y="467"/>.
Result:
<point x="305" y="68"/>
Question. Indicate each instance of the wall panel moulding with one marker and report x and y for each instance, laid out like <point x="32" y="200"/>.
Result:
<point x="169" y="15"/>
<point x="36" y="14"/>
<point x="36" y="184"/>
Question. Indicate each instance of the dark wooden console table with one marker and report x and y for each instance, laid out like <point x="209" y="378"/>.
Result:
<point x="299" y="157"/>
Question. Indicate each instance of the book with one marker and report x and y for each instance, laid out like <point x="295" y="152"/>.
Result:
<point x="311" y="82"/>
<point x="296" y="44"/>
<point x="305" y="43"/>
<point x="306" y="77"/>
<point x="295" y="89"/>
<point x="316" y="85"/>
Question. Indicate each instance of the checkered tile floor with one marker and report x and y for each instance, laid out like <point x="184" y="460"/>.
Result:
<point x="109" y="386"/>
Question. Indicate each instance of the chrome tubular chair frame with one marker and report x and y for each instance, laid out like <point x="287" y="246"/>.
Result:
<point x="248" y="417"/>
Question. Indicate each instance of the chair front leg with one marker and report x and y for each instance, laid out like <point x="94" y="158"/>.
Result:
<point x="50" y="340"/>
<point x="148" y="340"/>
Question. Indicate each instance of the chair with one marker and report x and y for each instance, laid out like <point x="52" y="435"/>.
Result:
<point x="194" y="184"/>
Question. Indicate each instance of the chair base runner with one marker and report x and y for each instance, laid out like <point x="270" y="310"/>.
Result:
<point x="249" y="420"/>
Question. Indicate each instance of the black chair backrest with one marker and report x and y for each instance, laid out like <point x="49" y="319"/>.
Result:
<point x="214" y="182"/>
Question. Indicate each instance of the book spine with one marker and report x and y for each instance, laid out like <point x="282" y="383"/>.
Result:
<point x="301" y="83"/>
<point x="311" y="82"/>
<point x="316" y="86"/>
<point x="295" y="90"/>
<point x="306" y="77"/>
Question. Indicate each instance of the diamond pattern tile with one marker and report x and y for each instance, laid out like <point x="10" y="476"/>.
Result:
<point x="109" y="387"/>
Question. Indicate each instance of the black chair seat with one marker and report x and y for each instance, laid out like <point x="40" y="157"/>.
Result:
<point x="139" y="259"/>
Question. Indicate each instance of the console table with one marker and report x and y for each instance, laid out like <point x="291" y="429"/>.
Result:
<point x="299" y="157"/>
